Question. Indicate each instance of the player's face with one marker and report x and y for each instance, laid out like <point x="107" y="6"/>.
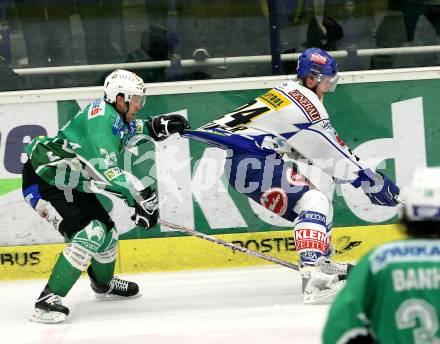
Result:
<point x="328" y="84"/>
<point x="135" y="105"/>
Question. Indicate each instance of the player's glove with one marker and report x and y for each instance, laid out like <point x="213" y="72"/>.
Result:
<point x="146" y="214"/>
<point x="378" y="187"/>
<point x="163" y="126"/>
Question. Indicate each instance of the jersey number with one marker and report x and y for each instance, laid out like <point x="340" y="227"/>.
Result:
<point x="244" y="114"/>
<point x="412" y="310"/>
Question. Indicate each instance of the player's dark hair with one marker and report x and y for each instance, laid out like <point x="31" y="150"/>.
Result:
<point x="124" y="118"/>
<point x="421" y="229"/>
<point x="114" y="103"/>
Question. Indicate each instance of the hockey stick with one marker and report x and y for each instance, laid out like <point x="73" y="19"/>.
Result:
<point x="400" y="199"/>
<point x="228" y="244"/>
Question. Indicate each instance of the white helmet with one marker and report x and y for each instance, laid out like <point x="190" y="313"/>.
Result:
<point x="422" y="197"/>
<point x="123" y="82"/>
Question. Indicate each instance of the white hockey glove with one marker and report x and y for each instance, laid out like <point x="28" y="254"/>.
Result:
<point x="48" y="212"/>
<point x="146" y="212"/>
<point x="163" y="126"/>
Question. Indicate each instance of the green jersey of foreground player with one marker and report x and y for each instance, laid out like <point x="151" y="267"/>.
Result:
<point x="393" y="294"/>
<point x="64" y="172"/>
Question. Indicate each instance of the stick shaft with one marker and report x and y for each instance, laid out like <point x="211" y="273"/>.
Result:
<point x="228" y="244"/>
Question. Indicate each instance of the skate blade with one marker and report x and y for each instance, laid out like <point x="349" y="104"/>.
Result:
<point x="45" y="317"/>
<point x="105" y="297"/>
<point x="325" y="296"/>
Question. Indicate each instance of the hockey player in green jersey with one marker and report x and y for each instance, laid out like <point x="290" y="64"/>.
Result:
<point x="393" y="294"/>
<point x="63" y="174"/>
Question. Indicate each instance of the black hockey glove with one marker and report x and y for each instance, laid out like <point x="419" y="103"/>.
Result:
<point x="163" y="126"/>
<point x="146" y="214"/>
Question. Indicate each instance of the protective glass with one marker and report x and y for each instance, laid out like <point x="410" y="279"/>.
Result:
<point x="329" y="83"/>
<point x="138" y="100"/>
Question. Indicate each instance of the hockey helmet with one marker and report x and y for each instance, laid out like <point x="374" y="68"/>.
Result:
<point x="126" y="83"/>
<point x="422" y="196"/>
<point x="319" y="63"/>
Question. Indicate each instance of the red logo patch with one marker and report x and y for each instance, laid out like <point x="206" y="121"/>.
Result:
<point x="318" y="59"/>
<point x="95" y="111"/>
<point x="306" y="104"/>
<point x="306" y="239"/>
<point x="275" y="200"/>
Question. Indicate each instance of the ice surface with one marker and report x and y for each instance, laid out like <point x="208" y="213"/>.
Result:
<point x="246" y="305"/>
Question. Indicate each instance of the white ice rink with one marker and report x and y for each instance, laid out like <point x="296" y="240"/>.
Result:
<point x="249" y="305"/>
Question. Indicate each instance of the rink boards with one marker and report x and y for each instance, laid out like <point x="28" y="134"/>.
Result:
<point x="187" y="253"/>
<point x="387" y="117"/>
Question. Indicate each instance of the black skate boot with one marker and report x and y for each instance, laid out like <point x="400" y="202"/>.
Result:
<point x="48" y="308"/>
<point x="116" y="289"/>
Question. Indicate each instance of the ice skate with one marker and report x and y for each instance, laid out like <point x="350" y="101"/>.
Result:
<point x="116" y="289"/>
<point x="319" y="287"/>
<point x="49" y="309"/>
<point x="333" y="268"/>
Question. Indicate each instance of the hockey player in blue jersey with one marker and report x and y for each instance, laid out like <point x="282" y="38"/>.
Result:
<point x="290" y="121"/>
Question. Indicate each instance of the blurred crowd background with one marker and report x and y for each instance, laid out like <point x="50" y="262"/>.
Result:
<point x="205" y="39"/>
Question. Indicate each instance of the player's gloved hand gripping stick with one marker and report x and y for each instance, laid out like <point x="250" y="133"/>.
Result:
<point x="146" y="213"/>
<point x="378" y="187"/>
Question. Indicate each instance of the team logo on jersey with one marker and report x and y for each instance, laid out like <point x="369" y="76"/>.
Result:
<point x="326" y="125"/>
<point x="296" y="179"/>
<point x="275" y="200"/>
<point x="96" y="109"/>
<point x="319" y="59"/>
<point x="112" y="173"/>
<point x="109" y="159"/>
<point x="139" y="126"/>
<point x="275" y="100"/>
<point x="117" y="125"/>
<point x="306" y="105"/>
<point x="132" y="126"/>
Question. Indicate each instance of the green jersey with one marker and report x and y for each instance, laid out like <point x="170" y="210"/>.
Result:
<point x="392" y="294"/>
<point x="84" y="154"/>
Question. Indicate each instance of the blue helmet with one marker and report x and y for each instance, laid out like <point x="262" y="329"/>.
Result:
<point x="316" y="61"/>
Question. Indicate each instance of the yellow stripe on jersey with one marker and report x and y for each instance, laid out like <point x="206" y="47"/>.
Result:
<point x="275" y="100"/>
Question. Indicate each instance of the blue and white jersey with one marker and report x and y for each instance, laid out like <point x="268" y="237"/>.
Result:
<point x="289" y="119"/>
